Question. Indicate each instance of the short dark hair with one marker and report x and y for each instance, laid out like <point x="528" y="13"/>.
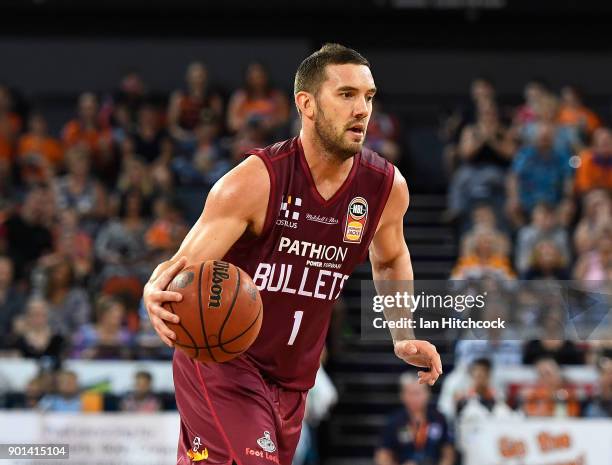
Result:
<point x="311" y="72"/>
<point x="481" y="362"/>
<point x="144" y="374"/>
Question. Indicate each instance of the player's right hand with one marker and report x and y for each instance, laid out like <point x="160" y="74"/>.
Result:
<point x="154" y="296"/>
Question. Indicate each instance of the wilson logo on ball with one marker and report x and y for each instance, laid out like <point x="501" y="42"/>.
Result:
<point x="219" y="274"/>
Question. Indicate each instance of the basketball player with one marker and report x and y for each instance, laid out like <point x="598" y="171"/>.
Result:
<point x="297" y="216"/>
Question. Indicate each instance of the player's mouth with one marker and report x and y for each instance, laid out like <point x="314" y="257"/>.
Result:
<point x="358" y="129"/>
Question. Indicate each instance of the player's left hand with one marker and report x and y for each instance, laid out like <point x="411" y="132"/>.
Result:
<point x="421" y="354"/>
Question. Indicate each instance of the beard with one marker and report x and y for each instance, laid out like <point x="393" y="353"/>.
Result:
<point x="332" y="140"/>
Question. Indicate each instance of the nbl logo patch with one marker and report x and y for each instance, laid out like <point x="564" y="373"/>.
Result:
<point x="356" y="219"/>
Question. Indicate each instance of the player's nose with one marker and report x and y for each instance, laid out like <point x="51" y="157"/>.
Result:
<point x="361" y="109"/>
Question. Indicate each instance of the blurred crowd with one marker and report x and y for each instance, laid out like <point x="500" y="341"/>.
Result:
<point x="530" y="196"/>
<point x="530" y="186"/>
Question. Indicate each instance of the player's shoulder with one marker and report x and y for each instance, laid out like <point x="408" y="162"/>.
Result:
<point x="371" y="160"/>
<point x="277" y="151"/>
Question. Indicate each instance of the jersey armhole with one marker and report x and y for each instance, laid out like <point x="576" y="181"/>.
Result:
<point x="386" y="191"/>
<point x="269" y="219"/>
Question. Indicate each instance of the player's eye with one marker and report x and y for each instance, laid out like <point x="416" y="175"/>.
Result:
<point x="346" y="94"/>
<point x="369" y="98"/>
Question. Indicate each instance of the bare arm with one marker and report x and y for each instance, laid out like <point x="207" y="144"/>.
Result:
<point x="392" y="272"/>
<point x="232" y="207"/>
<point x="384" y="456"/>
<point x="469" y="143"/>
<point x="448" y="455"/>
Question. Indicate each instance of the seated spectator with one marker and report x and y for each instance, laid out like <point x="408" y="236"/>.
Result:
<point x="168" y="230"/>
<point x="11" y="300"/>
<point x="69" y="306"/>
<point x="486" y="150"/>
<point x="482" y="94"/>
<point x="535" y="91"/>
<point x="383" y="133"/>
<point x="417" y="433"/>
<point x="597" y="211"/>
<point x="27" y="234"/>
<point x="67" y="397"/>
<point x="252" y="135"/>
<point x="543" y="225"/>
<point x="210" y="159"/>
<point x="34" y="336"/>
<point x="136" y="175"/>
<point x="149" y="135"/>
<point x="85" y="133"/>
<point x="40" y="155"/>
<point x="130" y="96"/>
<point x="483" y="218"/>
<point x="574" y="113"/>
<point x="540" y="173"/>
<point x="186" y="106"/>
<point x="501" y="346"/>
<point x="120" y="245"/>
<point x="108" y="338"/>
<point x="595" y="168"/>
<point x="79" y="190"/>
<point x="142" y="399"/>
<point x="552" y="343"/>
<point x="34" y="390"/>
<point x="600" y="405"/>
<point x="76" y="244"/>
<point x="565" y="139"/>
<point x="258" y="100"/>
<point x="552" y="396"/>
<point x="481" y="388"/>
<point x="547" y="262"/>
<point x="483" y="259"/>
<point x="596" y="265"/>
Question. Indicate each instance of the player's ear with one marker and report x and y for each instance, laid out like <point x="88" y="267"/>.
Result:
<point x="305" y="103"/>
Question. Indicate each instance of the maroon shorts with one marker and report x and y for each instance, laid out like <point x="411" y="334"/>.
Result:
<point x="231" y="413"/>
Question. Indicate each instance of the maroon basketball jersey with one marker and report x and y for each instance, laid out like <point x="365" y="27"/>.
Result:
<point x="308" y="248"/>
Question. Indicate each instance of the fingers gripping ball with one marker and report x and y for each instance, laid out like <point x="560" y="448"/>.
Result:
<point x="220" y="314"/>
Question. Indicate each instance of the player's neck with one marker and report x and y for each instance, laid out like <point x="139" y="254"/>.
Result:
<point x="324" y="166"/>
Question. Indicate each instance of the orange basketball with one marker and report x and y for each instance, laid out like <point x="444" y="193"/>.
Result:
<point x="220" y="314"/>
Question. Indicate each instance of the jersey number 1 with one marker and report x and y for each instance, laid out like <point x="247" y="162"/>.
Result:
<point x="297" y="320"/>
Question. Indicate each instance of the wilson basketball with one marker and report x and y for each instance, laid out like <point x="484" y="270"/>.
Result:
<point x="220" y="314"/>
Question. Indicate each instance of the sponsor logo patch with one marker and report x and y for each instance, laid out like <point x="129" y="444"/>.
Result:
<point x="266" y="443"/>
<point x="356" y="219"/>
<point x="195" y="454"/>
<point x="289" y="213"/>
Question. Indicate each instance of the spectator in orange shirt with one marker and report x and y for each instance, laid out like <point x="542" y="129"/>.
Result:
<point x="258" y="100"/>
<point x="40" y="155"/>
<point x="482" y="259"/>
<point x="164" y="236"/>
<point x="574" y="113"/>
<point x="595" y="169"/>
<point x="552" y="396"/>
<point x="86" y="133"/>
